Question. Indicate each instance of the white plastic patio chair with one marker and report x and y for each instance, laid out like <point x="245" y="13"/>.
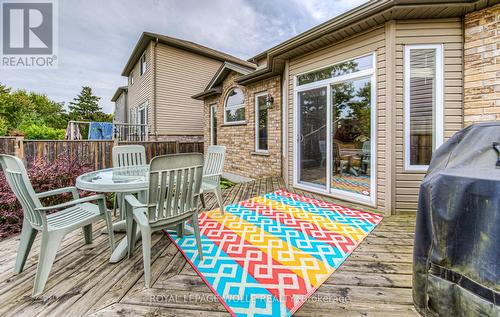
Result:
<point x="72" y="215"/>
<point x="174" y="188"/>
<point x="212" y="173"/>
<point x="127" y="155"/>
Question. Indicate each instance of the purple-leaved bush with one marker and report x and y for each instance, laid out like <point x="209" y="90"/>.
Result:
<point x="44" y="176"/>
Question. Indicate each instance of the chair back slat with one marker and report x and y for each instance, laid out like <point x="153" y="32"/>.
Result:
<point x="18" y="180"/>
<point x="129" y="155"/>
<point x="214" y="161"/>
<point x="174" y="186"/>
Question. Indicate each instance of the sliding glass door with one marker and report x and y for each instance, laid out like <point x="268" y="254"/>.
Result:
<point x="312" y="136"/>
<point x="351" y="136"/>
<point x="334" y="133"/>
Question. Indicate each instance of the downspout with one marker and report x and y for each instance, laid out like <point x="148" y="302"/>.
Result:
<point x="284" y="123"/>
<point x="155" y="114"/>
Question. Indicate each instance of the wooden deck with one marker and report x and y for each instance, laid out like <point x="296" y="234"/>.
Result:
<point x="374" y="281"/>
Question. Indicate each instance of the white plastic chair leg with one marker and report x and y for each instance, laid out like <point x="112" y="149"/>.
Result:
<point x="28" y="235"/>
<point x="196" y="228"/>
<point x="146" y="254"/>
<point x="48" y="250"/>
<point x="218" y="195"/>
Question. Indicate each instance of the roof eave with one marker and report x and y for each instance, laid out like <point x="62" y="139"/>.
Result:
<point x="355" y="15"/>
<point x="207" y="93"/>
<point x="118" y="92"/>
<point x="147" y="37"/>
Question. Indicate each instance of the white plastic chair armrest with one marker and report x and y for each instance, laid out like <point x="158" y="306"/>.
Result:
<point x="58" y="191"/>
<point x="73" y="202"/>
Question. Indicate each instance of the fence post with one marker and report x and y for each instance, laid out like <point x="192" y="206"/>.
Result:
<point x="19" y="147"/>
<point x="177" y="147"/>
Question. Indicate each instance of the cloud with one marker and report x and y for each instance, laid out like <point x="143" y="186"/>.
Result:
<point x="96" y="37"/>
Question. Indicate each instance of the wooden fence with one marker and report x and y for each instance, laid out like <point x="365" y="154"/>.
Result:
<point x="8" y="145"/>
<point x="97" y="154"/>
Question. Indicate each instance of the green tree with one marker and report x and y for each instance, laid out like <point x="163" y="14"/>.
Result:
<point x="3" y="126"/>
<point x="85" y="106"/>
<point x="20" y="108"/>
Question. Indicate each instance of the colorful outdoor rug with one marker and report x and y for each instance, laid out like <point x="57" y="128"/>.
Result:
<point x="354" y="184"/>
<point x="265" y="256"/>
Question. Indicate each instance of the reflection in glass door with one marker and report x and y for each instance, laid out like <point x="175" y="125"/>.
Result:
<point x="351" y="141"/>
<point x="312" y="107"/>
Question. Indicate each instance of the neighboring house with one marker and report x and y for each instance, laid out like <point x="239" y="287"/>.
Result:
<point x="163" y="73"/>
<point x="120" y="100"/>
<point x="354" y="107"/>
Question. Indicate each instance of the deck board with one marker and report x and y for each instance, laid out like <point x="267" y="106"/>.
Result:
<point x="376" y="278"/>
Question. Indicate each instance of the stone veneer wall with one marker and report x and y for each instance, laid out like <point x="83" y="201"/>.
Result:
<point x="482" y="66"/>
<point x="239" y="140"/>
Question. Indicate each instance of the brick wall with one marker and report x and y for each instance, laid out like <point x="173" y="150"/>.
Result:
<point x="239" y="140"/>
<point x="482" y="66"/>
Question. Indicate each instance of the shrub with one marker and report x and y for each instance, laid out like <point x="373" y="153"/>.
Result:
<point x="224" y="183"/>
<point x="44" y="176"/>
<point x="42" y="132"/>
<point x="3" y="126"/>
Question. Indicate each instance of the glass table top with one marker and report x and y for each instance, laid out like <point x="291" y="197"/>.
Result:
<point x="118" y="179"/>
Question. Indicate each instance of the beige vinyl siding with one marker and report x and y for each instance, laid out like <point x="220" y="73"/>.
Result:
<point x="121" y="108"/>
<point x="365" y="43"/>
<point x="180" y="75"/>
<point x="449" y="33"/>
<point x="142" y="89"/>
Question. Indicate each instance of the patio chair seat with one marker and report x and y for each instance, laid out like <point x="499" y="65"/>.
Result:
<point x="74" y="216"/>
<point x="210" y="184"/>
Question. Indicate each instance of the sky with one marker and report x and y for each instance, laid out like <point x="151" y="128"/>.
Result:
<point x="96" y="37"/>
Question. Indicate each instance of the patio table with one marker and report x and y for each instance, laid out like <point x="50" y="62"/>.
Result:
<point x="125" y="180"/>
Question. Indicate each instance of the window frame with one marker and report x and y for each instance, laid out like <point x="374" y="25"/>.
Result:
<point x="438" y="112"/>
<point x="235" y="107"/>
<point x="131" y="78"/>
<point x="343" y="77"/>
<point x="143" y="64"/>
<point x="327" y="190"/>
<point x="143" y="107"/>
<point x="256" y="126"/>
<point x="213" y="139"/>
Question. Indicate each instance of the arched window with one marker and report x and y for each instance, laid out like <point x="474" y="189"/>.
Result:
<point x="234" y="107"/>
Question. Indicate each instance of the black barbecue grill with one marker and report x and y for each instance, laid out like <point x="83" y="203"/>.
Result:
<point x="456" y="264"/>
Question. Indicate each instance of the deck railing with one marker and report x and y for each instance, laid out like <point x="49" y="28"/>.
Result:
<point x="131" y="132"/>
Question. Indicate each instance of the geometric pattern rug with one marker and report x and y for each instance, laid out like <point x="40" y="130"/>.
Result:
<point x="355" y="184"/>
<point x="267" y="255"/>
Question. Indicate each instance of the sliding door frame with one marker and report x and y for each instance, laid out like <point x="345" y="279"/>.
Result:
<point x="344" y="195"/>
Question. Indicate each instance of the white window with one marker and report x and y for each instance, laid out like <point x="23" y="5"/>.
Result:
<point x="234" y="107"/>
<point x="131" y="78"/>
<point x="261" y="122"/>
<point x="143" y="64"/>
<point x="423" y="89"/>
<point x="142" y="121"/>
<point x="213" y="124"/>
<point x="142" y="114"/>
